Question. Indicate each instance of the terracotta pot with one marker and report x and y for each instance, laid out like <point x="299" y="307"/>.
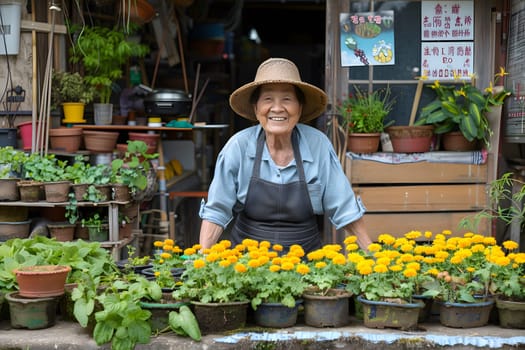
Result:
<point x="41" y="280"/>
<point x="62" y="232"/>
<point x="65" y="139"/>
<point x="363" y="143"/>
<point x="13" y="214"/>
<point x="30" y="191"/>
<point x="121" y="193"/>
<point x="100" y="141"/>
<point x="80" y="190"/>
<point x="9" y="230"/>
<point x="149" y="139"/>
<point x="455" y="141"/>
<point x="57" y="191"/>
<point x="140" y="11"/>
<point x="9" y="190"/>
<point x="411" y="139"/>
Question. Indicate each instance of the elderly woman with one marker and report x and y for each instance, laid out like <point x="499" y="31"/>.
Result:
<point x="274" y="179"/>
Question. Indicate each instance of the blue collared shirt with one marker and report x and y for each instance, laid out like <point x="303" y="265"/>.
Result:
<point x="330" y="191"/>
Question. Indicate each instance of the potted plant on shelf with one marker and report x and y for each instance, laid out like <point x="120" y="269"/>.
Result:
<point x="97" y="226"/>
<point x="11" y="161"/>
<point x="73" y="92"/>
<point x="103" y="52"/>
<point x="50" y="172"/>
<point x="133" y="168"/>
<point x="461" y="109"/>
<point x="364" y="116"/>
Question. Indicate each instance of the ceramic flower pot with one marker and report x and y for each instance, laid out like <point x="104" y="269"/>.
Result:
<point x="511" y="313"/>
<point x="363" y="143"/>
<point x="57" y="191"/>
<point x="455" y="141"/>
<point x="62" y="231"/>
<point x="31" y="313"/>
<point x="380" y="314"/>
<point x="277" y="315"/>
<point x="220" y="317"/>
<point x="465" y="315"/>
<point x="41" y="280"/>
<point x="329" y="310"/>
<point x="411" y="139"/>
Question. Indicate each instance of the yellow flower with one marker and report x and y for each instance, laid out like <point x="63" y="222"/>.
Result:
<point x="275" y="268"/>
<point x="386" y="239"/>
<point x="350" y="240"/>
<point x="510" y="245"/>
<point x="374" y="247"/>
<point x="241" y="268"/>
<point x="380" y="268"/>
<point x="158" y="244"/>
<point x="165" y="255"/>
<point x="410" y="272"/>
<point x="302" y="269"/>
<point x="199" y="263"/>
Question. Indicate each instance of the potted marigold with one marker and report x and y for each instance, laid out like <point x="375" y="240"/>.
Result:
<point x="508" y="284"/>
<point x="328" y="269"/>
<point x="214" y="282"/>
<point x="462" y="278"/>
<point x="386" y="283"/>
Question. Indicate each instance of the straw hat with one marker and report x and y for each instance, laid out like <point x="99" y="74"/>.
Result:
<point x="279" y="70"/>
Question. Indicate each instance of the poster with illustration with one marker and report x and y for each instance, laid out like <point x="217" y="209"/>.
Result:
<point x="367" y="38"/>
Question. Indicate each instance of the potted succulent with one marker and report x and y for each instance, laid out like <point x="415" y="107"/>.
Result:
<point x="103" y="52"/>
<point x="461" y="108"/>
<point x="364" y="116"/>
<point x="73" y="92"/>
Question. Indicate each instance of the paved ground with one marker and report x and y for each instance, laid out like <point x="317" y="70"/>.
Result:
<point x="70" y="336"/>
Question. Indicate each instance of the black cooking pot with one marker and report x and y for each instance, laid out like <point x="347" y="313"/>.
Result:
<point x="168" y="102"/>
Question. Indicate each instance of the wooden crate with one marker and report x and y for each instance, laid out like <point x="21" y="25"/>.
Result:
<point x="421" y="196"/>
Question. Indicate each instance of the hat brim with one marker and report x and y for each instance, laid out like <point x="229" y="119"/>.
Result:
<point x="314" y="106"/>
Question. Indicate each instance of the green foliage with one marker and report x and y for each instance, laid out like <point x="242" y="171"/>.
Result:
<point x="462" y="107"/>
<point x="80" y="255"/>
<point x="70" y="87"/>
<point x="122" y="321"/>
<point x="184" y="323"/>
<point x="103" y="52"/>
<point x="44" y="168"/>
<point x="365" y="112"/>
<point x="11" y="162"/>
<point x="132" y="169"/>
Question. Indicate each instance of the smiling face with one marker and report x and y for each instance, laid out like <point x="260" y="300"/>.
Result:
<point x="278" y="108"/>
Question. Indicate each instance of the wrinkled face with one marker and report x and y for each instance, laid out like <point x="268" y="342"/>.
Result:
<point x="278" y="109"/>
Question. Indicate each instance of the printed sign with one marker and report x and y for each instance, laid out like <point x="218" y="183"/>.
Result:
<point x="441" y="60"/>
<point x="367" y="38"/>
<point x="447" y="20"/>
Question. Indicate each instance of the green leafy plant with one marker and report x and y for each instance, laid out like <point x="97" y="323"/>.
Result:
<point x="103" y="52"/>
<point x="132" y="169"/>
<point x="11" y="162"/>
<point x="121" y="319"/>
<point x="364" y="112"/>
<point x="70" y="87"/>
<point x="44" y="168"/>
<point x="462" y="107"/>
<point x="328" y="268"/>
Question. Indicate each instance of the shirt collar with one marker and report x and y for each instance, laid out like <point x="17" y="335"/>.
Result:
<point x="303" y="145"/>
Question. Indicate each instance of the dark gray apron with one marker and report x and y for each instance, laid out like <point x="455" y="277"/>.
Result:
<point x="278" y="213"/>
